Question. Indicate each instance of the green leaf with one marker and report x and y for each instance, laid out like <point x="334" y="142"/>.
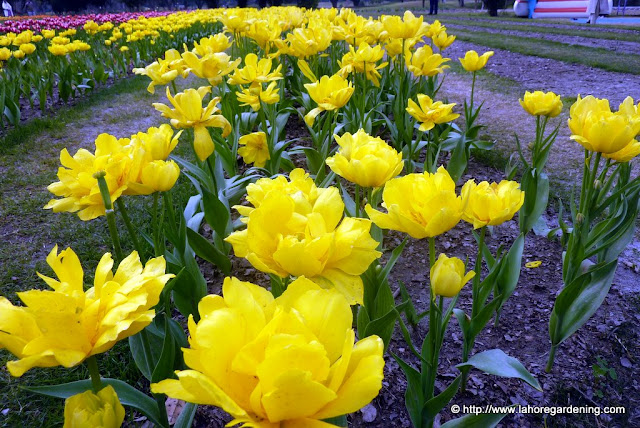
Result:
<point x="216" y="212"/>
<point x="507" y="280"/>
<point x="413" y="397"/>
<point x="496" y="362"/>
<point x="437" y="403"/>
<point x="185" y="420"/>
<point x="128" y="395"/>
<point x="206" y="250"/>
<point x="536" y="197"/>
<point x="165" y="364"/>
<point x="579" y="300"/>
<point x="489" y="420"/>
<point x="339" y="421"/>
<point x="137" y="350"/>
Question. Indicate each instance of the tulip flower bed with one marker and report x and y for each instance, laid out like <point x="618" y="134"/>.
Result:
<point x="340" y="251"/>
<point x="55" y="59"/>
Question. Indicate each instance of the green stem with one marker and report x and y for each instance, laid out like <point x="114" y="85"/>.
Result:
<point x="473" y="87"/>
<point x="357" y="201"/>
<point x="432" y="252"/>
<point x="127" y="221"/>
<point x="552" y="357"/>
<point x="156" y="226"/>
<point x="109" y="213"/>
<point x="94" y="372"/>
<point x="476" y="305"/>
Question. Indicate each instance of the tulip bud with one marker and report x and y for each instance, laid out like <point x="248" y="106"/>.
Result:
<point x="531" y="145"/>
<point x="579" y="218"/>
<point x="94" y="410"/>
<point x="597" y="184"/>
<point x="448" y="277"/>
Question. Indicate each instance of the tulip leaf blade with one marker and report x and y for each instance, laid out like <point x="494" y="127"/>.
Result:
<point x="579" y="300"/>
<point x="432" y="407"/>
<point x="185" y="420"/>
<point x="496" y="362"/>
<point x="482" y="420"/>
<point x="413" y="396"/>
<point x="206" y="250"/>
<point x="128" y="395"/>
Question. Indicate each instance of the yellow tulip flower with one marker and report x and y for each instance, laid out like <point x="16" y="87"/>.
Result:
<point x="625" y="154"/>
<point x="305" y="42"/>
<point x="65" y="326"/>
<point x="255" y="94"/>
<point x="58" y="50"/>
<point x="255" y="150"/>
<point x="429" y="113"/>
<point x="48" y="34"/>
<point x="423" y="62"/>
<point x="158" y="74"/>
<point x="491" y="204"/>
<point x="89" y="410"/>
<point x="421" y="205"/>
<point x="434" y="29"/>
<point x="159" y="176"/>
<point x="213" y="66"/>
<point x="364" y="60"/>
<point x="290" y="361"/>
<point x="5" y="54"/>
<point x="442" y="40"/>
<point x="212" y="44"/>
<point x="18" y="54"/>
<point x="472" y="62"/>
<point x="189" y="113"/>
<point x="598" y="129"/>
<point x="255" y="71"/>
<point x="297" y="233"/>
<point x="330" y="93"/>
<point x="406" y="27"/>
<point x="306" y="70"/>
<point x="28" y="48"/>
<point x="541" y="103"/>
<point x="365" y="160"/>
<point x="448" y="277"/>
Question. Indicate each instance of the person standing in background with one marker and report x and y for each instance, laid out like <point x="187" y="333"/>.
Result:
<point x="6" y="8"/>
<point x="532" y="7"/>
<point x="28" y="6"/>
<point x="433" y="7"/>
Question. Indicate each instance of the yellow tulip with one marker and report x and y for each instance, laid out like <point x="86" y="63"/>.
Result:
<point x="472" y="62"/>
<point x="108" y="42"/>
<point x="58" y="50"/>
<point x="255" y="94"/>
<point x="158" y="74"/>
<point x="541" y="103"/>
<point x="448" y="277"/>
<point x="189" y="113"/>
<point x="293" y="232"/>
<point x="255" y="150"/>
<point x="65" y="326"/>
<point x="28" y="48"/>
<point x="491" y="204"/>
<point x="364" y="60"/>
<point x="290" y="361"/>
<point x="434" y="29"/>
<point x="212" y="44"/>
<point x="442" y="40"/>
<point x="423" y="62"/>
<point x="255" y="71"/>
<point x="406" y="27"/>
<point x="49" y="34"/>
<point x="625" y="154"/>
<point x="598" y="129"/>
<point x="89" y="410"/>
<point x="5" y="54"/>
<point x="213" y="66"/>
<point x="429" y="113"/>
<point x="124" y="48"/>
<point x="421" y="205"/>
<point x="18" y="54"/>
<point x="160" y="176"/>
<point x="330" y="93"/>
<point x="365" y="160"/>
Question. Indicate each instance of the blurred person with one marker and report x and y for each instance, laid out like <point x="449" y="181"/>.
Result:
<point x="433" y="7"/>
<point x="532" y="7"/>
<point x="6" y="8"/>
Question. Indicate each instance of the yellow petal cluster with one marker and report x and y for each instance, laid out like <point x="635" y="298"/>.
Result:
<point x="89" y="410"/>
<point x="406" y="27"/>
<point x="66" y="325"/>
<point x="491" y="204"/>
<point x="365" y="160"/>
<point x="421" y="205"/>
<point x="540" y="103"/>
<point x="330" y="93"/>
<point x="472" y="62"/>
<point x="442" y="40"/>
<point x="254" y="149"/>
<point x="255" y="71"/>
<point x="423" y="62"/>
<point x="164" y="71"/>
<point x="448" y="277"/>
<point x="364" y="60"/>
<point x="295" y="229"/>
<point x="254" y="95"/>
<point x="430" y="113"/>
<point x="291" y="361"/>
<point x="189" y="113"/>
<point x="598" y="129"/>
<point x="213" y="66"/>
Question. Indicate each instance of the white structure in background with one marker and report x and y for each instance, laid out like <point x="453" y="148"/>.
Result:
<point x="565" y="8"/>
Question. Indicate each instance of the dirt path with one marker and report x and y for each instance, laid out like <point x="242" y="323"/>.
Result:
<point x="568" y="80"/>
<point x="613" y="45"/>
<point x="543" y="24"/>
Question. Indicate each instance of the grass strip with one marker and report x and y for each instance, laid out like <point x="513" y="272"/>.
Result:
<point x="574" y="54"/>
<point x="606" y="35"/>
